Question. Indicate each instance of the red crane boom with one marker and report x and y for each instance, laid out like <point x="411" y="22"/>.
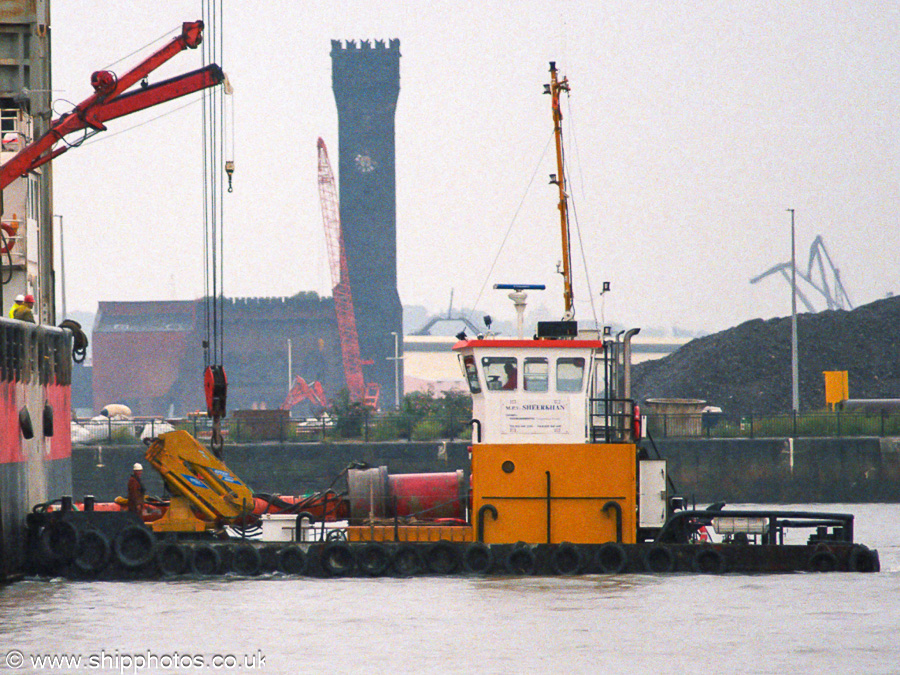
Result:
<point x="343" y="298"/>
<point x="110" y="101"/>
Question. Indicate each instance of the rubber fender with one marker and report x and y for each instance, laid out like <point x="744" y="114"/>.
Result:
<point x="407" y="561"/>
<point x="47" y="420"/>
<point x="477" y="558"/>
<point x="373" y="559"/>
<point x="863" y="560"/>
<point x="59" y="542"/>
<point x="442" y="557"/>
<point x="566" y="559"/>
<point x="25" y="423"/>
<point x="93" y="552"/>
<point x="337" y="559"/>
<point x="246" y="560"/>
<point x="292" y="560"/>
<point x="612" y="558"/>
<point x="205" y="560"/>
<point x="520" y="560"/>
<point x="171" y="559"/>
<point x="822" y="561"/>
<point x="708" y="561"/>
<point x="659" y="560"/>
<point x="134" y="546"/>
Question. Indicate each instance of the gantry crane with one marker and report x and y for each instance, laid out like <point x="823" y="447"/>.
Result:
<point x="360" y="391"/>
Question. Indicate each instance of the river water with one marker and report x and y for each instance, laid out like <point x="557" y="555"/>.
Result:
<point x="795" y="623"/>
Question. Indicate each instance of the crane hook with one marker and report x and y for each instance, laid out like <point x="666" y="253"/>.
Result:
<point x="229" y="169"/>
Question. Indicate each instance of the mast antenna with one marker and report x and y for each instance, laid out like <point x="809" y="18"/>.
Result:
<point x="559" y="179"/>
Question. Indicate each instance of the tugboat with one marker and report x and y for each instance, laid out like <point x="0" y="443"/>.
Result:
<point x="562" y="482"/>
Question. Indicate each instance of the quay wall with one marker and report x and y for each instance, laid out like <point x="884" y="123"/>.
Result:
<point x="762" y="470"/>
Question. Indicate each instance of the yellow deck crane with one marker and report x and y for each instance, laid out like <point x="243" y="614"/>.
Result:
<point x="199" y="482"/>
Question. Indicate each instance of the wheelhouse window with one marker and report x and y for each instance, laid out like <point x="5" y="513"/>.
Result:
<point x="500" y="372"/>
<point x="471" y="374"/>
<point x="537" y="374"/>
<point x="569" y="374"/>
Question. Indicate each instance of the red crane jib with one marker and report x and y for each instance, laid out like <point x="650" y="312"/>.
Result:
<point x="359" y="389"/>
<point x="110" y="101"/>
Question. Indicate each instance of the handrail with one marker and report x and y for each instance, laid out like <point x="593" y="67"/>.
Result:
<point x="778" y="521"/>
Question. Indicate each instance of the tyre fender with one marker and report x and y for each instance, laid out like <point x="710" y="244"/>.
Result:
<point x="863" y="560"/>
<point x="520" y="560"/>
<point x="337" y="559"/>
<point x="373" y="559"/>
<point x="292" y="560"/>
<point x="134" y="546"/>
<point x="171" y="559"/>
<point x="659" y="559"/>
<point x="59" y="542"/>
<point x="246" y="560"/>
<point x="205" y="560"/>
<point x="708" y="561"/>
<point x="566" y="559"/>
<point x="477" y="558"/>
<point x="407" y="561"/>
<point x="612" y="558"/>
<point x="93" y="552"/>
<point x="442" y="557"/>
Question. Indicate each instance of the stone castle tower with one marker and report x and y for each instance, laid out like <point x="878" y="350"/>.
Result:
<point x="366" y="83"/>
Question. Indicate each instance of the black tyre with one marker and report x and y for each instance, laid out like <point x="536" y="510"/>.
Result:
<point x="659" y="560"/>
<point x="373" y="559"/>
<point x="292" y="560"/>
<point x="205" y="560"/>
<point x="408" y="561"/>
<point x="708" y="561"/>
<point x="171" y="559"/>
<point x="566" y="559"/>
<point x="477" y="558"/>
<point x="822" y="561"/>
<point x="93" y="552"/>
<point x="612" y="558"/>
<point x="863" y="560"/>
<point x="134" y="546"/>
<point x="337" y="559"/>
<point x="59" y="542"/>
<point x="520" y="561"/>
<point x="442" y="557"/>
<point x="246" y="560"/>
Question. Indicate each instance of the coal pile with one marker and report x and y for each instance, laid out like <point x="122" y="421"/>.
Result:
<point x="747" y="369"/>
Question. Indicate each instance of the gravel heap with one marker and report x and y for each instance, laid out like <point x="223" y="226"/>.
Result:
<point x="747" y="369"/>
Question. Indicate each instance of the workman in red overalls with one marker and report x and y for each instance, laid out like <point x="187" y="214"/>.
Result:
<point x="136" y="490"/>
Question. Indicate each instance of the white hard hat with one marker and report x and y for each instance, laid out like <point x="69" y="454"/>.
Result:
<point x="137" y="467"/>
<point x="20" y="298"/>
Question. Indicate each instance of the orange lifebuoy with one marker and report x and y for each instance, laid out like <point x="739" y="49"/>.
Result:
<point x="7" y="243"/>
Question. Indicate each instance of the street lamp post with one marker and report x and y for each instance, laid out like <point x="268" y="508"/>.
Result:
<point x="396" y="359"/>
<point x="795" y="368"/>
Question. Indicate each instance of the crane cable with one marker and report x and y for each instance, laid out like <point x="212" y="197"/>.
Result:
<point x="213" y="228"/>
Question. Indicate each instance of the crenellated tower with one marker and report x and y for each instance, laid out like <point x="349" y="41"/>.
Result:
<point x="366" y="83"/>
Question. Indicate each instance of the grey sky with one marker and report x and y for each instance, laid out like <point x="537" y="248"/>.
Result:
<point x="690" y="129"/>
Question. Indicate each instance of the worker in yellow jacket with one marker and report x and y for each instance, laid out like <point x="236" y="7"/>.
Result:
<point x="20" y="301"/>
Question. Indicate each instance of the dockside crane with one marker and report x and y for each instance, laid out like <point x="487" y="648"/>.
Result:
<point x="110" y="100"/>
<point x="832" y="290"/>
<point x="360" y="391"/>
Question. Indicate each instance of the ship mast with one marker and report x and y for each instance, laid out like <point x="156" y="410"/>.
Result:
<point x="554" y="89"/>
